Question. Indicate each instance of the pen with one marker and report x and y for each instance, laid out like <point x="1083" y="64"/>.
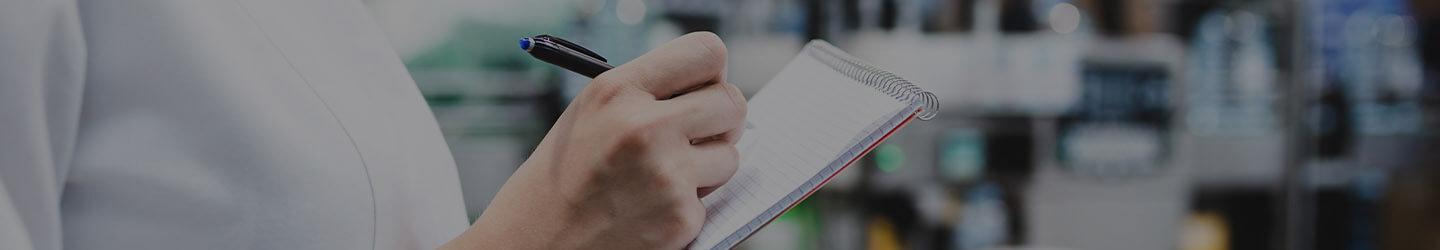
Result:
<point x="572" y="57"/>
<point x="565" y="54"/>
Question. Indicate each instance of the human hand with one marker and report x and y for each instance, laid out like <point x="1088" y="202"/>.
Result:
<point x="626" y="165"/>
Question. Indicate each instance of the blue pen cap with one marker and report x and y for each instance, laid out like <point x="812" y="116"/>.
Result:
<point x="525" y="43"/>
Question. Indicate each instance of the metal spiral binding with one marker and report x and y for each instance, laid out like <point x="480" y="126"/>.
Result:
<point x="881" y="80"/>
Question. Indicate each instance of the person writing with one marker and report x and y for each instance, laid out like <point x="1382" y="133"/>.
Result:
<point x="268" y="124"/>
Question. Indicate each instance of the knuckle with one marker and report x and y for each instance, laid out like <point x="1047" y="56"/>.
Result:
<point x="687" y="109"/>
<point x="604" y="89"/>
<point x="639" y="130"/>
<point x="731" y="163"/>
<point x="712" y="44"/>
<point x="714" y="52"/>
<point x="613" y="77"/>
<point x="653" y="179"/>
<point x="629" y="76"/>
<point x="634" y="138"/>
<point x="674" y="220"/>
<point x="679" y="222"/>
<point x="674" y="115"/>
<point x="737" y="101"/>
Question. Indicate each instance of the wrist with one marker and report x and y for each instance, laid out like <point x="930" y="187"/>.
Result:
<point x="525" y="214"/>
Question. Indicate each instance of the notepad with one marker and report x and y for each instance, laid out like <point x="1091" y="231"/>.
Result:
<point x="822" y="112"/>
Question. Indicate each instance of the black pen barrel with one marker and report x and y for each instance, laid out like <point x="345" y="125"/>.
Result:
<point x="570" y="60"/>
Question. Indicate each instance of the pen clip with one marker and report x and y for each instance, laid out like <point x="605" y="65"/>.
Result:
<point x="573" y="46"/>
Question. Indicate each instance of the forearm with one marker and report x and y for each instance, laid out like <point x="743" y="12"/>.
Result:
<point x="517" y="218"/>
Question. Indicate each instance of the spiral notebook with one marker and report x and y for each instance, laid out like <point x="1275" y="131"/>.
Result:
<point x="819" y="115"/>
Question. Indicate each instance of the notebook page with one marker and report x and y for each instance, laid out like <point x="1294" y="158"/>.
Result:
<point x="801" y="122"/>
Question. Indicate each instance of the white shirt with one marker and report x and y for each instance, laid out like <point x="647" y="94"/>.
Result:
<point x="214" y="124"/>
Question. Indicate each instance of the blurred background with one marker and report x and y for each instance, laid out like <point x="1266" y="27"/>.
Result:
<point x="1065" y="124"/>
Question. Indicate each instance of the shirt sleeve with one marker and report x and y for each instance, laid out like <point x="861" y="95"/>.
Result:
<point x="42" y="72"/>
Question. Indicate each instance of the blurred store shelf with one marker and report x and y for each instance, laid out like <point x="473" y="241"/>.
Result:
<point x="1067" y="124"/>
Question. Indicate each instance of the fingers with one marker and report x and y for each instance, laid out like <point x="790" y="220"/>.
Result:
<point x="714" y="112"/>
<point x="711" y="118"/>
<point x="711" y="165"/>
<point x="685" y="75"/>
<point x="682" y="64"/>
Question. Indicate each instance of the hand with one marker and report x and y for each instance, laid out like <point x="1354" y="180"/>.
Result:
<point x="626" y="165"/>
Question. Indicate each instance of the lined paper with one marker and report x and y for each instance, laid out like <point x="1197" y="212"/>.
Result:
<point x="805" y="124"/>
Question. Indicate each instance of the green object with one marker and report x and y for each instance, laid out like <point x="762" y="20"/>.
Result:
<point x="475" y="45"/>
<point x="807" y="217"/>
<point x="962" y="154"/>
<point x="889" y="158"/>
